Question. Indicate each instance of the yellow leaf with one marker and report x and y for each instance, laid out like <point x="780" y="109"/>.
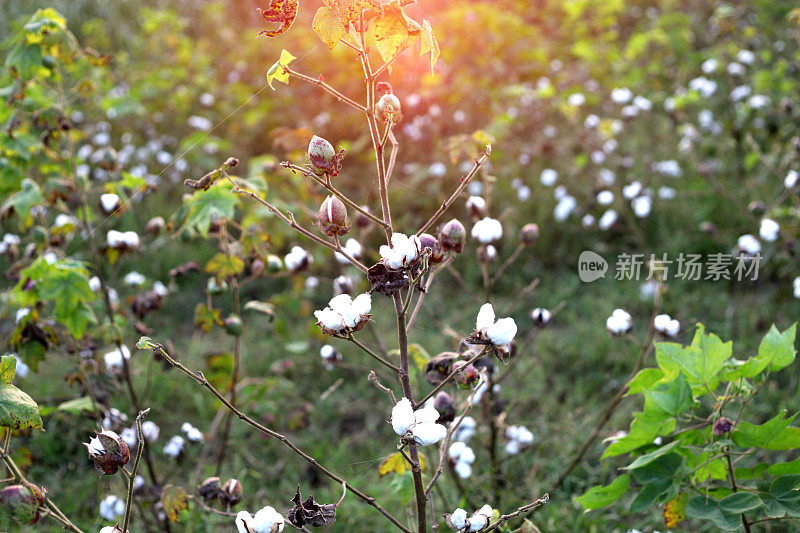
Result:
<point x="327" y="23"/>
<point x="224" y="266"/>
<point x="429" y="43"/>
<point x="675" y="511"/>
<point x="394" y="31"/>
<point x="350" y="10"/>
<point x="398" y="464"/>
<point x="278" y="71"/>
<point x="174" y="500"/>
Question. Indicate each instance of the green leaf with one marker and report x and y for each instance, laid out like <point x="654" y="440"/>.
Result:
<point x="788" y="439"/>
<point x="644" y="429"/>
<point x="429" y="43"/>
<point x="601" y="496"/>
<point x="206" y="207"/>
<point x="78" y="405"/>
<point x="673" y="397"/>
<point x="17" y="409"/>
<point x="749" y="435"/>
<point x="648" y="495"/>
<point x="707" y="508"/>
<point x="652" y="456"/>
<point x="778" y="348"/>
<point x="782" y="469"/>
<point x="740" y="502"/>
<point x="701" y="361"/>
<point x="644" y="380"/>
<point x="21" y="202"/>
<point x="278" y="71"/>
<point x="785" y="488"/>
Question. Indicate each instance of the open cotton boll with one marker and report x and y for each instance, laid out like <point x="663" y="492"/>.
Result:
<point x="459" y="518"/>
<point x="502" y="332"/>
<point x="796" y="287"/>
<point x="620" y="322"/>
<point x="791" y="179"/>
<point x="548" y="177"/>
<point x="150" y="431"/>
<point x="608" y="219"/>
<point x="403" y="250"/>
<point x="485" y="317"/>
<point x="353" y="248"/>
<point x="428" y="433"/>
<point x="133" y="279"/>
<point x="329" y="319"/>
<point x="605" y="197"/>
<point x="113" y="359"/>
<point x="769" y="230"/>
<point x="109" y="202"/>
<point x="192" y="433"/>
<point x="244" y="522"/>
<point x="267" y="520"/>
<point x="565" y="206"/>
<point x="402" y="416"/>
<point x="362" y="304"/>
<point x="748" y="245"/>
<point x="463" y="470"/>
<point x="112" y="507"/>
<point x="621" y="95"/>
<point x="174" y="446"/>
<point x="641" y="206"/>
<point x="478" y="522"/>
<point x="487" y="230"/>
<point x="632" y="190"/>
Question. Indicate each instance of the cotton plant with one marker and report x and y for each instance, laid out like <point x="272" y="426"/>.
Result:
<point x="266" y="520"/>
<point x="499" y="333"/>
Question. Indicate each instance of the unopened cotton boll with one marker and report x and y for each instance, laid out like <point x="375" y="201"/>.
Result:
<point x="487" y="230"/>
<point x="619" y="323"/>
<point x="769" y="230"/>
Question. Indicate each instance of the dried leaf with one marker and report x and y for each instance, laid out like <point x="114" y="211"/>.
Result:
<point x="224" y="266"/>
<point x="310" y="512"/>
<point x="429" y="43"/>
<point x="394" y="31"/>
<point x="675" y="510"/>
<point x="283" y="12"/>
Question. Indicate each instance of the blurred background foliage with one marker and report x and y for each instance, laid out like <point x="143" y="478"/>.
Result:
<point x="185" y="88"/>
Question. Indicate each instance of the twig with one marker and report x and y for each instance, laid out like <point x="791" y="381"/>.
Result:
<point x="198" y="377"/>
<point x="132" y="474"/>
<point x="319" y="83"/>
<point x="375" y="356"/>
<point x="445" y="381"/>
<point x="461" y="186"/>
<point x="524" y="509"/>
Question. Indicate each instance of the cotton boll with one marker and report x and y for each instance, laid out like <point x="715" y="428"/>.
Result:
<point x="588" y="220"/>
<point x="666" y="193"/>
<point x="244" y="522"/>
<point x="709" y="66"/>
<point x="114" y="359"/>
<point x="620" y="322"/>
<point x="791" y="179"/>
<point x="109" y="202"/>
<point x="477" y="522"/>
<point x="524" y="193"/>
<point x="746" y="57"/>
<point x="632" y="190"/>
<point x="459" y="518"/>
<point x="502" y="332"/>
<point x="621" y="95"/>
<point x="353" y="248"/>
<point x="605" y="197"/>
<point x="150" y="431"/>
<point x="112" y="508"/>
<point x="133" y="279"/>
<point x="268" y="520"/>
<point x="329" y="319"/>
<point x="576" y="99"/>
<point x="608" y="219"/>
<point x="192" y="433"/>
<point x="548" y="177"/>
<point x="564" y="208"/>
<point x="402" y="416"/>
<point x="174" y="447"/>
<point x="796" y="287"/>
<point x="465" y="430"/>
<point x="642" y="206"/>
<point x="428" y="433"/>
<point x="487" y="230"/>
<point x="129" y="436"/>
<point x="748" y="245"/>
<point x="485" y="317"/>
<point x="769" y="230"/>
<point x="463" y="470"/>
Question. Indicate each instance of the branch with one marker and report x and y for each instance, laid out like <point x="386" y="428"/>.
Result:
<point x="132" y="473"/>
<point x="446" y="380"/>
<point x="319" y="83"/>
<point x="524" y="509"/>
<point x="201" y="380"/>
<point x="461" y="186"/>
<point x="375" y="356"/>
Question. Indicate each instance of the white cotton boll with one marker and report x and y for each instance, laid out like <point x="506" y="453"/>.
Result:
<point x="608" y="219"/>
<point x="402" y="416"/>
<point x="111" y="507"/>
<point x="455" y="450"/>
<point x="541" y="315"/>
<point x="524" y="193"/>
<point x="476" y="204"/>
<point x="437" y="169"/>
<point x="560" y="192"/>
<point x="133" y="279"/>
<point x="796" y="287"/>
<point x="632" y="190"/>
<point x="426" y="415"/>
<point x="21" y="313"/>
<point x="485" y="317"/>
<point x="705" y="118"/>
<point x="512" y="447"/>
<point x="477" y="522"/>
<point x="244" y="522"/>
<point x="362" y="304"/>
<point x="475" y="188"/>
<point x="109" y="202"/>
<point x="598" y="157"/>
<point x="666" y="193"/>
<point x="746" y="57"/>
<point x="174" y="447"/>
<point x="465" y="430"/>
<point x="353" y="248"/>
<point x="486" y="511"/>
<point x="160" y="289"/>
<point x="428" y="433"/>
<point x="267" y="520"/>
<point x="748" y="245"/>
<point x="576" y="99"/>
<point x="630" y="111"/>
<point x="22" y="369"/>
<point x="791" y="179"/>
<point x="311" y="283"/>
<point x="207" y="99"/>
<point x="502" y="332"/>
<point x="620" y="322"/>
<point x="588" y="221"/>
<point x="108" y="529"/>
<point x="129" y="436"/>
<point x="605" y="197"/>
<point x="740" y="93"/>
<point x="138" y="482"/>
<point x="591" y="122"/>
<point x="192" y="433"/>
<point x="606" y="177"/>
<point x="329" y="319"/>
<point x="669" y="167"/>
<point x="296" y="259"/>
<point x="621" y="95"/>
<point x="642" y="103"/>
<point x="704" y="86"/>
<point x="463" y="470"/>
<point x="63" y="219"/>
<point x="113" y="359"/>
<point x="548" y="177"/>
<point x="564" y="208"/>
<point x="769" y="230"/>
<point x="50" y="257"/>
<point x="757" y="101"/>
<point x="150" y="431"/>
<point x="709" y="66"/>
<point x="199" y="123"/>
<point x="735" y="69"/>
<point x="610" y="146"/>
<point x="642" y="206"/>
<point x="487" y="230"/>
<point x="459" y="518"/>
